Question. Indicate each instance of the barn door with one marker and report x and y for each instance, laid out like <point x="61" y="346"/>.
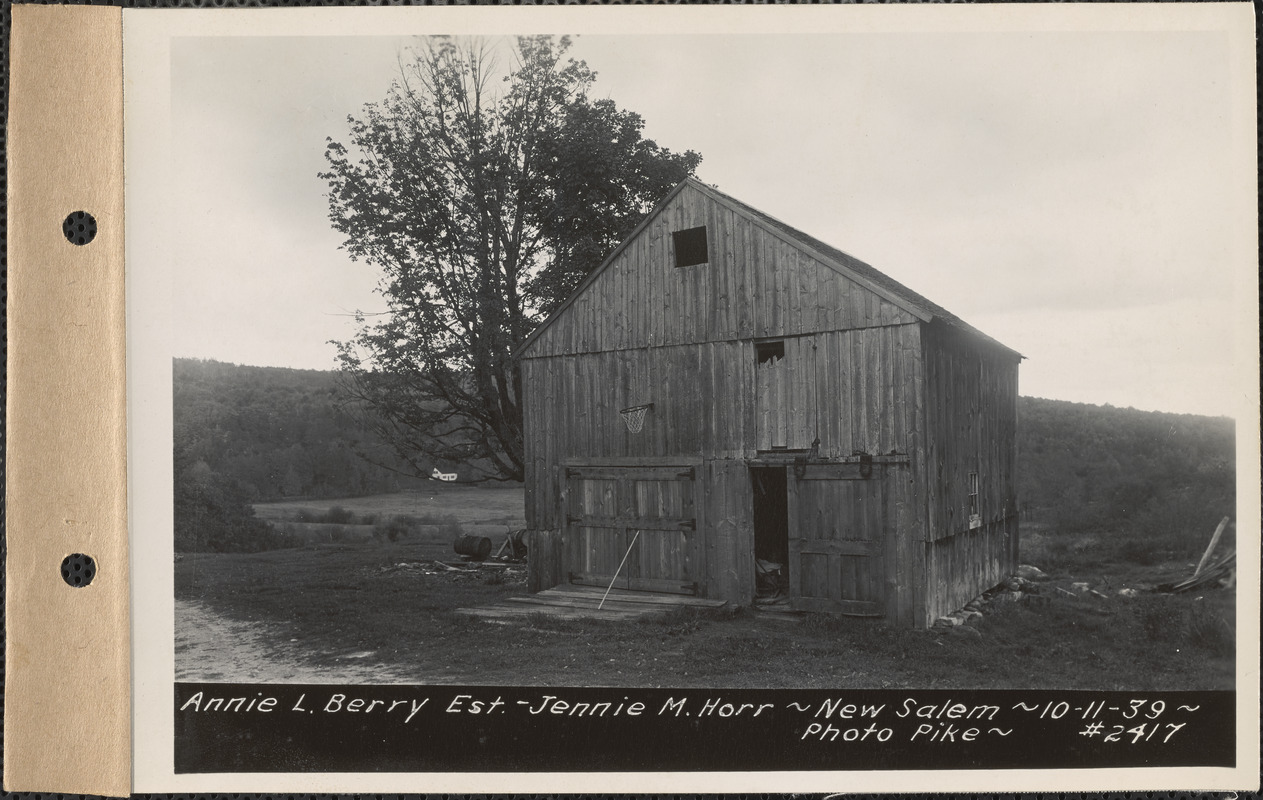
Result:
<point x="641" y="519"/>
<point x="837" y="529"/>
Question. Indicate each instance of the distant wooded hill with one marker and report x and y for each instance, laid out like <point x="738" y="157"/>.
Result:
<point x="265" y="433"/>
<point x="1086" y="467"/>
<point x="276" y="433"/>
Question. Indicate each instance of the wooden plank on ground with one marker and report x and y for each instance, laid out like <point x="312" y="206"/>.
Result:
<point x="633" y="583"/>
<point x="574" y="590"/>
<point x="583" y="603"/>
<point x="501" y="612"/>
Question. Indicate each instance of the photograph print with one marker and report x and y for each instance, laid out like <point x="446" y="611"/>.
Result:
<point x="851" y="360"/>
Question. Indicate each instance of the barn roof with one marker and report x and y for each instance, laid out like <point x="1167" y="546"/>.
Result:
<point x="841" y="262"/>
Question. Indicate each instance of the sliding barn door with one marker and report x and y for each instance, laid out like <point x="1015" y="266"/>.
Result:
<point x="838" y="524"/>
<point x="635" y="527"/>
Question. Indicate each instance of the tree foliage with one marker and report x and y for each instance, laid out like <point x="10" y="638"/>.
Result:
<point x="484" y="195"/>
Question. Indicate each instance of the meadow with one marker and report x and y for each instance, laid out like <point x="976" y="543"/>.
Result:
<point x="362" y="601"/>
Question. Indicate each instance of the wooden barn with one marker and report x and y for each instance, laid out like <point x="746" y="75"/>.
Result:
<point x="726" y="394"/>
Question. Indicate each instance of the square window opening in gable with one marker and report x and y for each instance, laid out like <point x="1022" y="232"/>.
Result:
<point x="767" y="352"/>
<point x="690" y="247"/>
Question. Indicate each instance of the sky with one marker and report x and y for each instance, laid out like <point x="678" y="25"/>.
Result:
<point x="1068" y="193"/>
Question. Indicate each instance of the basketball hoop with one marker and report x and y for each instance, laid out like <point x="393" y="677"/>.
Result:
<point x="635" y="417"/>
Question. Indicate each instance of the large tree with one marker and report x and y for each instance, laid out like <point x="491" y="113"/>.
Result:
<point x="484" y="195"/>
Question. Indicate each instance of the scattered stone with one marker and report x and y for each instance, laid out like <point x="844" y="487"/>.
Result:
<point x="947" y="622"/>
<point x="1027" y="572"/>
<point x="967" y="614"/>
<point x="1080" y="586"/>
<point x="1128" y="592"/>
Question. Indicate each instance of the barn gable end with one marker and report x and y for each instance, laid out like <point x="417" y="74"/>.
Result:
<point x="758" y="281"/>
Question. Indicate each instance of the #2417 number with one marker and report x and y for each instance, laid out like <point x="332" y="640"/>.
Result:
<point x="1142" y="732"/>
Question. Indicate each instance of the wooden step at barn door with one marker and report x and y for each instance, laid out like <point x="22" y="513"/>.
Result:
<point x="838" y="525"/>
<point x="643" y="513"/>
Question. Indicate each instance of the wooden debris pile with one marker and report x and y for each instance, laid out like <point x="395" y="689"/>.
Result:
<point x="1210" y="574"/>
<point x="436" y="567"/>
<point x="1222" y="573"/>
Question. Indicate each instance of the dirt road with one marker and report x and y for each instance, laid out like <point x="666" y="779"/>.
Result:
<point x="209" y="647"/>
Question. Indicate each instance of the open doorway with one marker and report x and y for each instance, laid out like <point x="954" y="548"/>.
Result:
<point x="771" y="531"/>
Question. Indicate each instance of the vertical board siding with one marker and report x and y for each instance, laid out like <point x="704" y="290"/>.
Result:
<point x="961" y="567"/>
<point x="715" y="401"/>
<point x="971" y="426"/>
<point x="728" y="511"/>
<point x="543" y="567"/>
<point x="756" y="284"/>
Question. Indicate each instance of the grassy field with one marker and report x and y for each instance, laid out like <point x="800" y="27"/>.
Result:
<point x="333" y="605"/>
<point x="437" y="514"/>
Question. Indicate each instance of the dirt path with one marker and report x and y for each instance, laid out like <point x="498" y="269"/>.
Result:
<point x="209" y="647"/>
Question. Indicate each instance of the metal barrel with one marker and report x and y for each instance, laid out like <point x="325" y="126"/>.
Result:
<point x="476" y="547"/>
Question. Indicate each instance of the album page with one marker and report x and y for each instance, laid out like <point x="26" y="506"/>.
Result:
<point x="693" y="399"/>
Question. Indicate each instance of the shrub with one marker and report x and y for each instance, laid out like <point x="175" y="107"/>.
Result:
<point x="211" y="515"/>
<point x="394" y="529"/>
<point x="337" y="515"/>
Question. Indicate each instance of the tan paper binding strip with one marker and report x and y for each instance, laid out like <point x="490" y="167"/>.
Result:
<point x="67" y="722"/>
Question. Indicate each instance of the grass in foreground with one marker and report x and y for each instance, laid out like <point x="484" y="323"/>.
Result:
<point x="338" y="599"/>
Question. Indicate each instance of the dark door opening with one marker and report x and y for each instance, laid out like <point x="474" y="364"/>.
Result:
<point x="771" y="531"/>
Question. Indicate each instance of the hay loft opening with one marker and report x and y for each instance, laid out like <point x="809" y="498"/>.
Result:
<point x="690" y="247"/>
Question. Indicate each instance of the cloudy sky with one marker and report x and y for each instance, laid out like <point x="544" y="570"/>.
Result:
<point x="1069" y="193"/>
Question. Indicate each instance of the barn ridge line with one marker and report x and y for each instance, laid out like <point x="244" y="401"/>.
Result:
<point x="839" y="261"/>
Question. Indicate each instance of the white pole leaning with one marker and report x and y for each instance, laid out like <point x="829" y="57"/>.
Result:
<point x="620" y="569"/>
